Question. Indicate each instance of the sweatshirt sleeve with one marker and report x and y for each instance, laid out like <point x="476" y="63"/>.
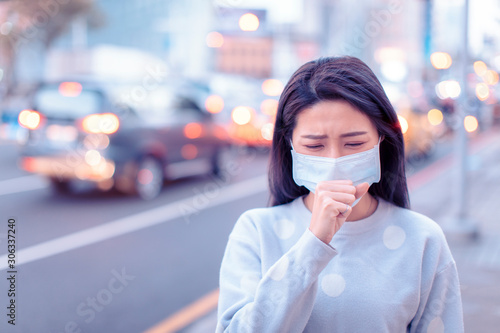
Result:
<point x="279" y="300"/>
<point x="440" y="308"/>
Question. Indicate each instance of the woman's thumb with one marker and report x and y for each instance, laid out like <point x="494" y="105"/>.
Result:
<point x="361" y="189"/>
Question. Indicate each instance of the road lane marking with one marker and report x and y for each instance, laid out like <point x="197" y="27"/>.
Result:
<point x="187" y="315"/>
<point x="22" y="184"/>
<point x="134" y="222"/>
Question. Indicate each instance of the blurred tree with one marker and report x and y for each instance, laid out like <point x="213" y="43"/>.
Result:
<point x="26" y="21"/>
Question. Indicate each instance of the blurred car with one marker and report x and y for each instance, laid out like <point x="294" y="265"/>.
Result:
<point x="110" y="135"/>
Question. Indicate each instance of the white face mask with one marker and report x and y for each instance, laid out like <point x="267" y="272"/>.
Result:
<point x="360" y="168"/>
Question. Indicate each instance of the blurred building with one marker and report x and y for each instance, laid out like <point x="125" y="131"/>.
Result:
<point x="170" y="30"/>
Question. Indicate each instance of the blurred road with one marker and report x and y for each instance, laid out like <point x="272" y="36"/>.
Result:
<point x="131" y="276"/>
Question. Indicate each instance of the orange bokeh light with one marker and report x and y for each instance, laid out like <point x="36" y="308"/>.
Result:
<point x="470" y="123"/>
<point x="29" y="119"/>
<point x="491" y="77"/>
<point x="480" y="68"/>
<point x="214" y="104"/>
<point x="272" y="87"/>
<point x="107" y="123"/>
<point x="192" y="130"/>
<point x="404" y="124"/>
<point x="482" y="91"/>
<point x="441" y="60"/>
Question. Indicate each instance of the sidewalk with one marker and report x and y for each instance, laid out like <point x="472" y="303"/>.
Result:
<point x="478" y="261"/>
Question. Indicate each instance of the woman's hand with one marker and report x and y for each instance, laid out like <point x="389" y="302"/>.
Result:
<point x="332" y="205"/>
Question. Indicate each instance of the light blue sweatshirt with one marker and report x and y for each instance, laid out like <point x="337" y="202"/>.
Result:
<point x="390" y="272"/>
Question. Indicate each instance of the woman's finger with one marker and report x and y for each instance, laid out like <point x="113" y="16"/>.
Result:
<point x="344" y="186"/>
<point x="342" y="197"/>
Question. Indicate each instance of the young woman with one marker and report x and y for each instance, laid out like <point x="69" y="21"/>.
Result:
<point x="339" y="250"/>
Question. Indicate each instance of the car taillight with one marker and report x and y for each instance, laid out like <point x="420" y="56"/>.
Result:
<point x="106" y="123"/>
<point x="30" y="119"/>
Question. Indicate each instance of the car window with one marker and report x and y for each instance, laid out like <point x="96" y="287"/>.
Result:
<point x="52" y="102"/>
<point x="167" y="106"/>
<point x="187" y="110"/>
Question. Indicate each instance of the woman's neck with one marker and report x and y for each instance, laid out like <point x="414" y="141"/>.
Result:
<point x="365" y="207"/>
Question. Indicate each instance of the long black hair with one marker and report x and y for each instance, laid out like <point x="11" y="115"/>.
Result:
<point x="338" y="78"/>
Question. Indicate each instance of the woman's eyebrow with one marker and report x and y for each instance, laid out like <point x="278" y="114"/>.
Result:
<point x="345" y="135"/>
<point x="314" y="136"/>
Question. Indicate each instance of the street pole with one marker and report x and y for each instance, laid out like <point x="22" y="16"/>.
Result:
<point x="461" y="225"/>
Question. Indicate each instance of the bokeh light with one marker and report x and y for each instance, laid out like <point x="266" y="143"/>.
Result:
<point x="214" y="39"/>
<point x="192" y="130"/>
<point x="441" y="60"/>
<point x="241" y="115"/>
<point x="29" y="119"/>
<point x="404" y="123"/>
<point x="448" y="89"/>
<point x="272" y="87"/>
<point x="107" y="123"/>
<point x="92" y="157"/>
<point x="214" y="104"/>
<point x="435" y="117"/>
<point x="491" y="77"/>
<point x="480" y="68"/>
<point x="482" y="91"/>
<point x="470" y="123"/>
<point x="249" y="22"/>
<point x="267" y="131"/>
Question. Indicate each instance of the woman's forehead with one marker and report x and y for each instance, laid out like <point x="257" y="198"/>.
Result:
<point x="328" y="116"/>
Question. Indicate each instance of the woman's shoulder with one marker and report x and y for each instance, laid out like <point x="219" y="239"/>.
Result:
<point x="259" y="219"/>
<point x="416" y="224"/>
<point x="265" y="214"/>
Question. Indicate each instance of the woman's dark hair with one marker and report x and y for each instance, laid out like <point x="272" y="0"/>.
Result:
<point x="329" y="79"/>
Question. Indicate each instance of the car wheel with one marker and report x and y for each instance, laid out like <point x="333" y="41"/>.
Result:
<point x="60" y="186"/>
<point x="149" y="178"/>
<point x="216" y="163"/>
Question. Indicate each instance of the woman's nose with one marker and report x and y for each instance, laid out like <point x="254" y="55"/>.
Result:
<point x="334" y="152"/>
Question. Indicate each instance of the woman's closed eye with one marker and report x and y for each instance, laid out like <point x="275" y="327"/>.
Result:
<point x="355" y="144"/>
<point x="314" y="146"/>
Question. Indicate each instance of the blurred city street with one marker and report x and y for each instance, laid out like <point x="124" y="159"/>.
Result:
<point x="133" y="134"/>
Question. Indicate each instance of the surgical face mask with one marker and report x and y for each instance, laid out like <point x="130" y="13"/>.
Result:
<point x="359" y="168"/>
